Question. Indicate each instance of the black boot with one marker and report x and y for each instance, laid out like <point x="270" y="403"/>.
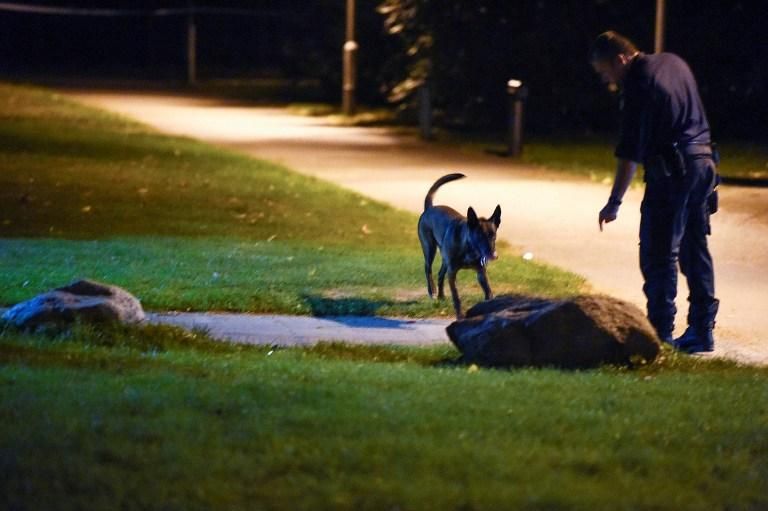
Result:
<point x="665" y="335"/>
<point x="695" y="340"/>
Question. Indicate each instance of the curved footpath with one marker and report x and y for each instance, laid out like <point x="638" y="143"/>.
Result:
<point x="552" y="215"/>
<point x="306" y="330"/>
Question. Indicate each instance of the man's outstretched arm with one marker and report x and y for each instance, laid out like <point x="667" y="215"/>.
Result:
<point x="625" y="172"/>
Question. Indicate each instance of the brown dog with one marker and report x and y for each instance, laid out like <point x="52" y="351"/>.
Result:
<point x="464" y="243"/>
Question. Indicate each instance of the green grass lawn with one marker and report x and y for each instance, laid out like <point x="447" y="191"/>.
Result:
<point x="183" y="225"/>
<point x="156" y="418"/>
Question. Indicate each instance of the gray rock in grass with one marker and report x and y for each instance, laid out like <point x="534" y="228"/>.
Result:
<point x="83" y="300"/>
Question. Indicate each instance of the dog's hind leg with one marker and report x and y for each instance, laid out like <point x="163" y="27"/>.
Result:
<point x="429" y="247"/>
<point x="455" y="294"/>
<point x="441" y="280"/>
<point x="482" y="279"/>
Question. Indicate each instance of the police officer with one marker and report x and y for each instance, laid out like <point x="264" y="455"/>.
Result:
<point x="664" y="127"/>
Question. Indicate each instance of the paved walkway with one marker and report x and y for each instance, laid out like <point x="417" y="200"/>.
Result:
<point x="287" y="331"/>
<point x="284" y="330"/>
<point x="304" y="330"/>
<point x="551" y="215"/>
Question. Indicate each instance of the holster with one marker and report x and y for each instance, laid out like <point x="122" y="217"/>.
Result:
<point x="713" y="201"/>
<point x="696" y="151"/>
<point x="716" y="156"/>
<point x="670" y="161"/>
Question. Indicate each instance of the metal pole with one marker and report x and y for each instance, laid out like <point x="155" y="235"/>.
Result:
<point x="658" y="42"/>
<point x="191" y="49"/>
<point x="515" y="143"/>
<point x="349" y="57"/>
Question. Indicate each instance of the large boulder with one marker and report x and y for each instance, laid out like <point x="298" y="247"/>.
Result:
<point x="84" y="300"/>
<point x="583" y="332"/>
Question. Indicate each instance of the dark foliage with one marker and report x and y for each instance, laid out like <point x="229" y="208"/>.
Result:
<point x="468" y="49"/>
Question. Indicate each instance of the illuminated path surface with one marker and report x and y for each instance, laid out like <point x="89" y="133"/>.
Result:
<point x="305" y="330"/>
<point x="554" y="216"/>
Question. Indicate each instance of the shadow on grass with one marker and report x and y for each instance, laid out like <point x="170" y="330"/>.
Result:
<point x="372" y="322"/>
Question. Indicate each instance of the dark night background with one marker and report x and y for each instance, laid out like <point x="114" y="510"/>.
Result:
<point x="468" y="48"/>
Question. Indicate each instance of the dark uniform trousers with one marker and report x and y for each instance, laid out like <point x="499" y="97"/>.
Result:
<point x="674" y="227"/>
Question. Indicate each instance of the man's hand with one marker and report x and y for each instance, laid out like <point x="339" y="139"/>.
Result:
<point x="609" y="213"/>
<point x="625" y="171"/>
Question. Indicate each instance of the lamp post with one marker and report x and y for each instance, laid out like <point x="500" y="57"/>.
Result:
<point x="349" y="56"/>
<point x="658" y="39"/>
<point x="518" y="93"/>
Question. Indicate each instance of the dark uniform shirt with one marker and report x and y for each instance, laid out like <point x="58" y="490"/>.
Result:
<point x="660" y="105"/>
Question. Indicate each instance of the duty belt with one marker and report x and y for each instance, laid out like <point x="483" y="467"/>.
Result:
<point x="696" y="150"/>
<point x="672" y="160"/>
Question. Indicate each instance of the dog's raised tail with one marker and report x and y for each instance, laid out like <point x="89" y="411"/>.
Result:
<point x="440" y="182"/>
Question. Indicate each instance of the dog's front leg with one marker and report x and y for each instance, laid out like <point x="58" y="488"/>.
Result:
<point x="482" y="279"/>
<point x="455" y="294"/>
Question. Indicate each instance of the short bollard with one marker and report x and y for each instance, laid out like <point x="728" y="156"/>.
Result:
<point x="518" y="93"/>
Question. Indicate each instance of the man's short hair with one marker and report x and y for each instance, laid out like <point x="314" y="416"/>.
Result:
<point x="610" y="45"/>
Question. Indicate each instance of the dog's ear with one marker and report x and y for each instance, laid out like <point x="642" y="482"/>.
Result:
<point x="472" y="220"/>
<point x="496" y="217"/>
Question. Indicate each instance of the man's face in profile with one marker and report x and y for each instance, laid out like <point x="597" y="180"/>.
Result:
<point x="611" y="71"/>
